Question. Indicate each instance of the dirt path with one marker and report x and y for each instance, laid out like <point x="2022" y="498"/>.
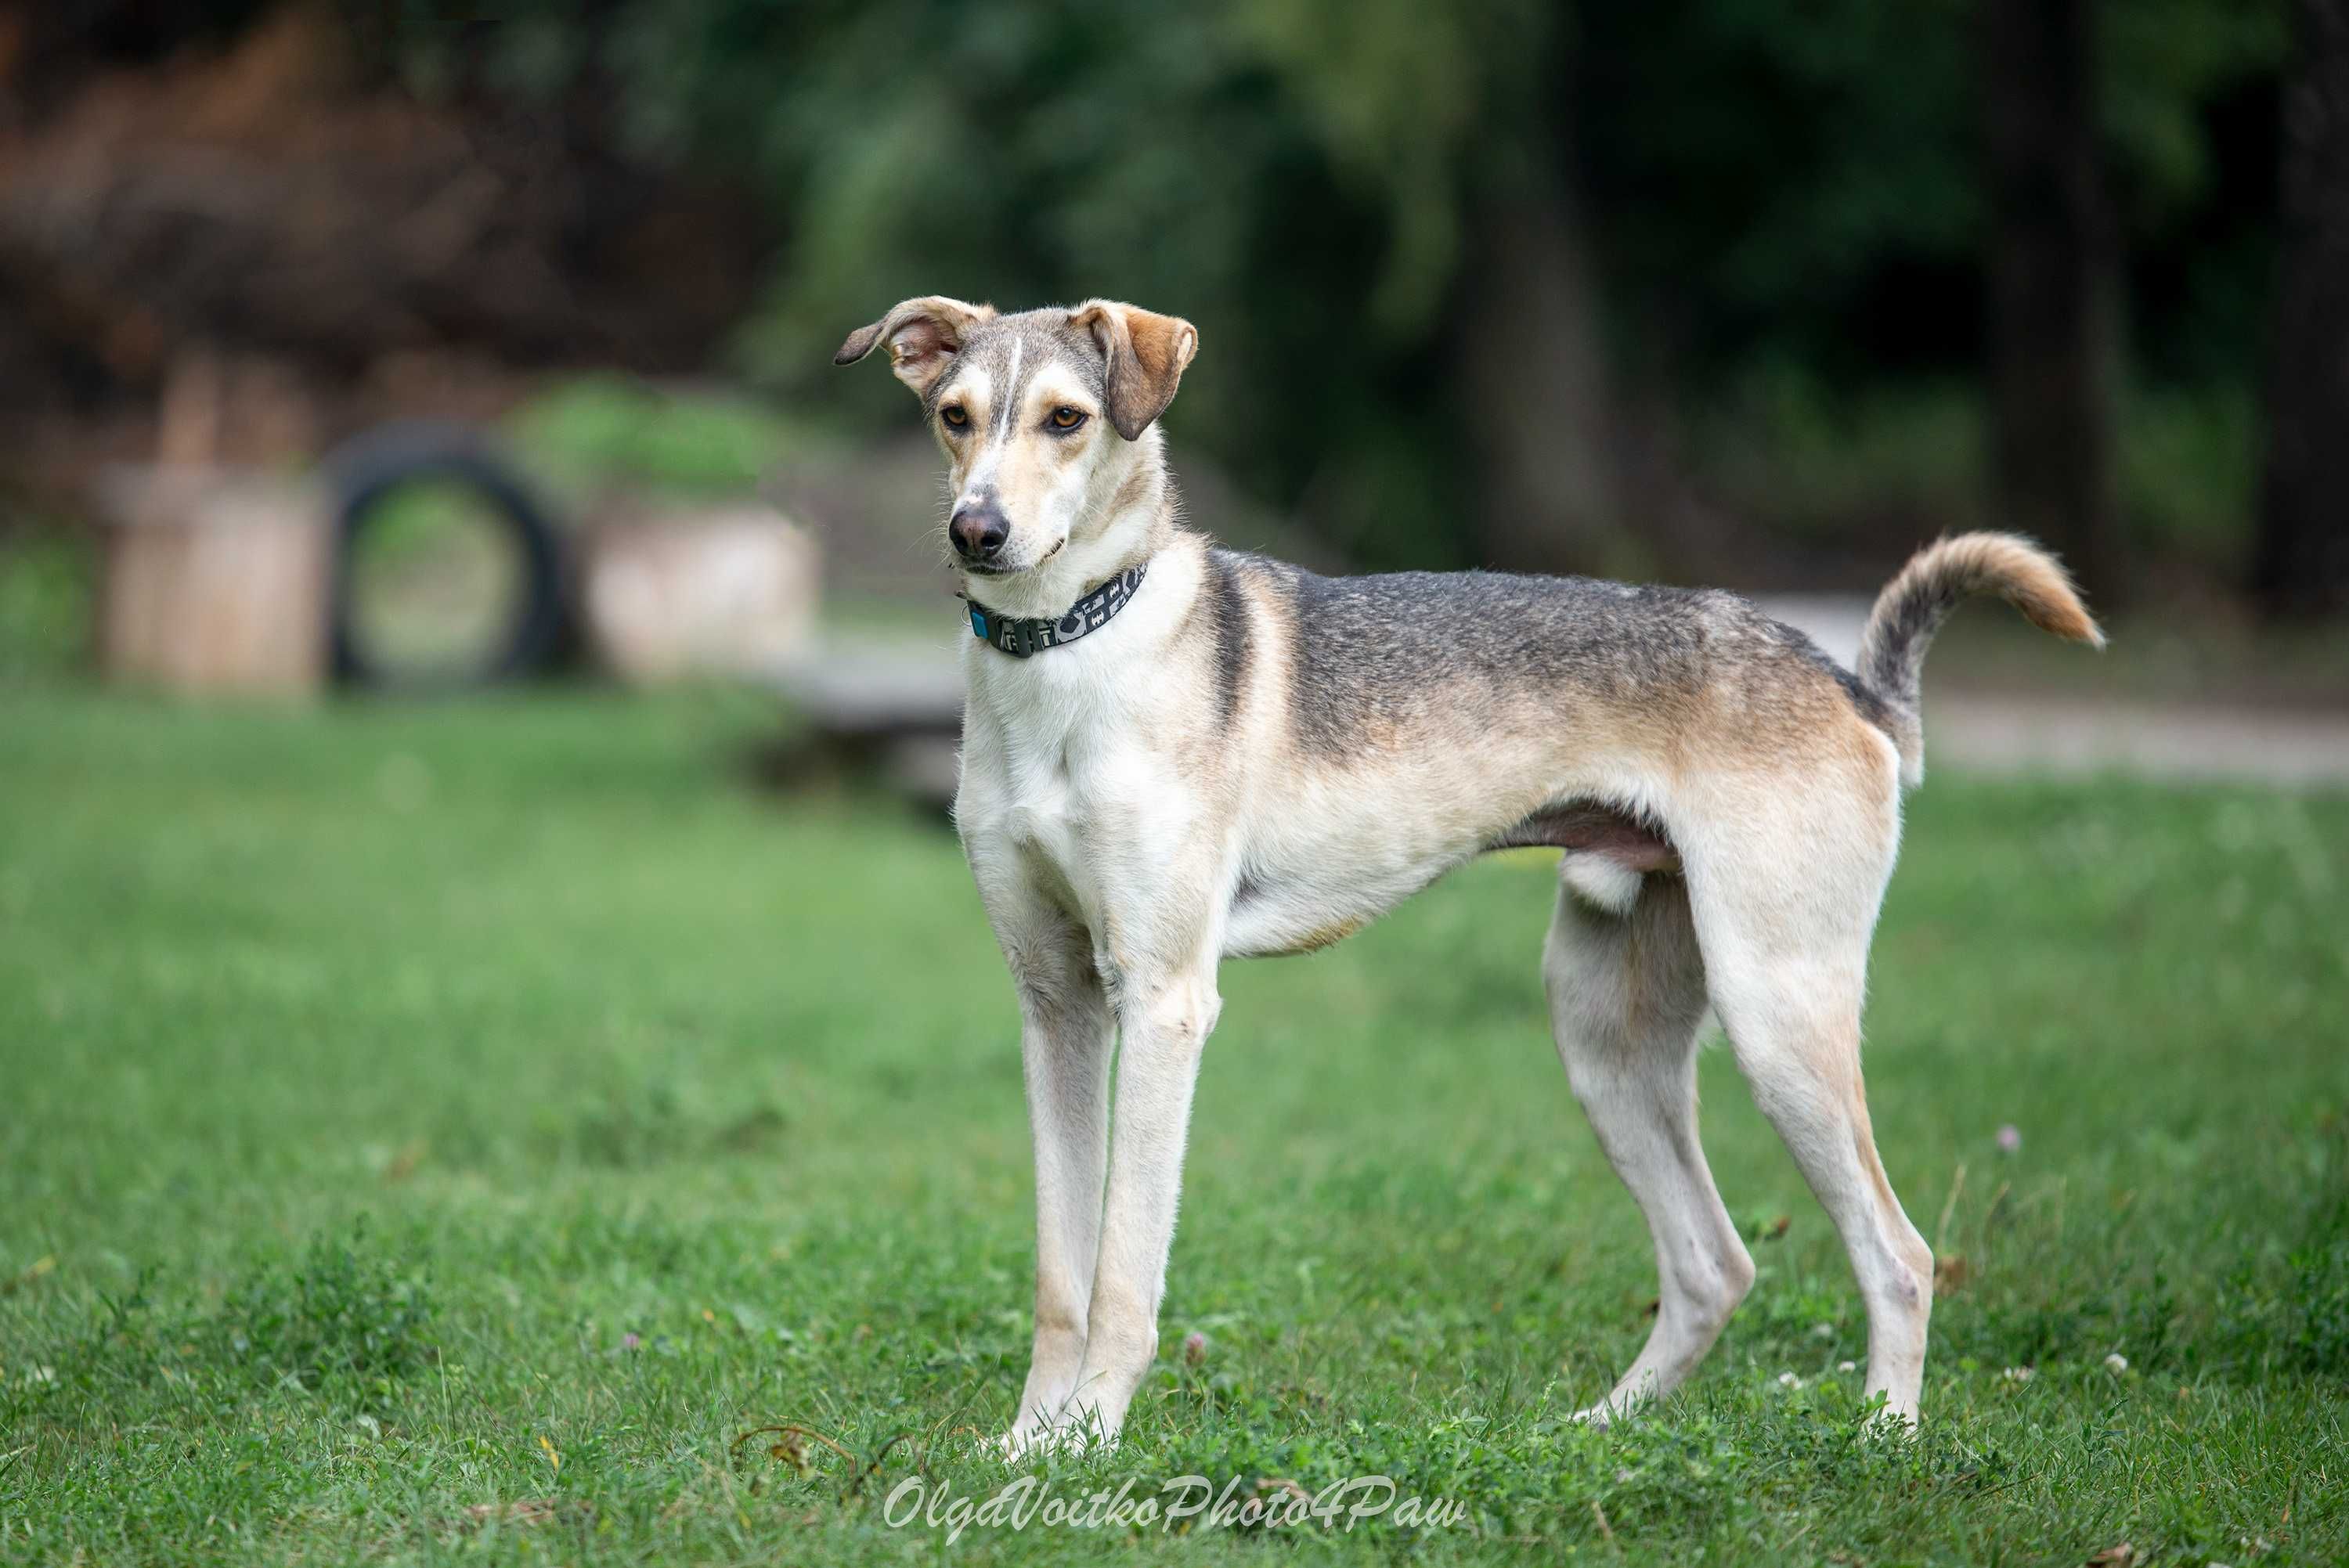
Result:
<point x="2022" y="733"/>
<point x="2011" y="735"/>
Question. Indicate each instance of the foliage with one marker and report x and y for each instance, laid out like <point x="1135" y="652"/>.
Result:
<point x="605" y="427"/>
<point x="1774" y="188"/>
<point x="671" y="1113"/>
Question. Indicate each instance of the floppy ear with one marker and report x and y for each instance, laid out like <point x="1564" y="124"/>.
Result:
<point x="1146" y="354"/>
<point x="922" y="333"/>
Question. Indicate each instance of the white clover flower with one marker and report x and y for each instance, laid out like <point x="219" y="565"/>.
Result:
<point x="2116" y="1362"/>
<point x="1788" y="1380"/>
<point x="2018" y="1374"/>
<point x="1846" y="1365"/>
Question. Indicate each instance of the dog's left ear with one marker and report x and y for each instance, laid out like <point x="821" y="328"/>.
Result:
<point x="923" y="334"/>
<point x="1146" y="354"/>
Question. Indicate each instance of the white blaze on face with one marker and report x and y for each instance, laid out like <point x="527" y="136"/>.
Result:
<point x="981" y="477"/>
<point x="1010" y="394"/>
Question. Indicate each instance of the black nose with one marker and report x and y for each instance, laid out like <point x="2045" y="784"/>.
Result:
<point x="979" y="531"/>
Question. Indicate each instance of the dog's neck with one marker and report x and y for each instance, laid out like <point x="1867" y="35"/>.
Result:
<point x="1129" y="516"/>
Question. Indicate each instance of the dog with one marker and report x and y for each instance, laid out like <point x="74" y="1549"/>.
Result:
<point x="1175" y="754"/>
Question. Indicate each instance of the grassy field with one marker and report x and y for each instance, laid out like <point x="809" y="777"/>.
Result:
<point x="444" y="1133"/>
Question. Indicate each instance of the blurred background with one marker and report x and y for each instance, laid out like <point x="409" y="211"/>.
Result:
<point x="1761" y="293"/>
<point x="483" y="1035"/>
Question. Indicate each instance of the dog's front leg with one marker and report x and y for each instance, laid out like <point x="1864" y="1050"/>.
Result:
<point x="1163" y="1024"/>
<point x="1066" y="1033"/>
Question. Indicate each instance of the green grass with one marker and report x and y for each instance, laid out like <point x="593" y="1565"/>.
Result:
<point x="442" y="1132"/>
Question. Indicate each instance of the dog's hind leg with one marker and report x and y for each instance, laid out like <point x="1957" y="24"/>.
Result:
<point x="1785" y="928"/>
<point x="1626" y="992"/>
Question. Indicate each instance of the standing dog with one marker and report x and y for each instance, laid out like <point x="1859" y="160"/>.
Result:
<point x="1173" y="754"/>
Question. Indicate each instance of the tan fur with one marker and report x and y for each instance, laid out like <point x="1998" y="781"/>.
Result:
<point x="2009" y="566"/>
<point x="1147" y="354"/>
<point x="1911" y="607"/>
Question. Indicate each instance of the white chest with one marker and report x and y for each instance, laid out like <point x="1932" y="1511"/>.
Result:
<point x="1071" y="792"/>
<point x="1044" y="816"/>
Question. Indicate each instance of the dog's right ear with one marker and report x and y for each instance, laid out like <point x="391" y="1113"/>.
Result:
<point x="923" y="334"/>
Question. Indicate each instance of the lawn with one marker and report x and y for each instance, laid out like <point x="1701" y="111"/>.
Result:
<point x="444" y="1131"/>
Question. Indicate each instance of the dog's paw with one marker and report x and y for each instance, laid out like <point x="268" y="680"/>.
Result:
<point x="1069" y="1436"/>
<point x="1885" y="1424"/>
<point x="1029" y="1440"/>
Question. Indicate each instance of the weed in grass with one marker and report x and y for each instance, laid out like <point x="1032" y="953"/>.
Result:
<point x="344" y="1311"/>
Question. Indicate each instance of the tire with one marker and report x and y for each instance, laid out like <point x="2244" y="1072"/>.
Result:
<point x="366" y="470"/>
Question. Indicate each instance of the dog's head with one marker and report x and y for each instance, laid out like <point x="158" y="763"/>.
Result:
<point x="1040" y="414"/>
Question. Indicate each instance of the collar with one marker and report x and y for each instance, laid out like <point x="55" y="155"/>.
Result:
<point x="1022" y="638"/>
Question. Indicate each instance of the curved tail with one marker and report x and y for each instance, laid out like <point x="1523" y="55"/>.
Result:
<point x="1911" y="609"/>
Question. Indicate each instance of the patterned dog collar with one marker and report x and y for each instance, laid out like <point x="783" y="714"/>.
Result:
<point x="1024" y="638"/>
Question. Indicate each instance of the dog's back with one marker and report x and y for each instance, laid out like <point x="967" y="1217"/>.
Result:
<point x="1465" y="644"/>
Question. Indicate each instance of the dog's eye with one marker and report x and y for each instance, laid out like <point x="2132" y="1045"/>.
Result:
<point x="1066" y="419"/>
<point x="956" y="416"/>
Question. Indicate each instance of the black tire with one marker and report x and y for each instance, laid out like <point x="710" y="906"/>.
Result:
<point x="368" y="468"/>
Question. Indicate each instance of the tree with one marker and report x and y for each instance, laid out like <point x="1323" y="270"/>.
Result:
<point x="2053" y="281"/>
<point x="2302" y="567"/>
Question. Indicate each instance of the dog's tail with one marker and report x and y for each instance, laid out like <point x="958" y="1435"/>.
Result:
<point x="1909" y="611"/>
